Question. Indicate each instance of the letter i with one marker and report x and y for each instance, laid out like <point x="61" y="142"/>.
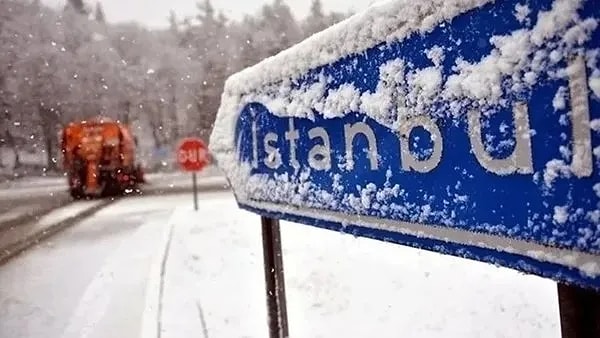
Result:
<point x="254" y="145"/>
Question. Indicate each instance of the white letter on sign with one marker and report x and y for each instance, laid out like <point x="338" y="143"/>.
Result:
<point x="273" y="159"/>
<point x="292" y="135"/>
<point x="520" y="160"/>
<point x="254" y="145"/>
<point x="319" y="157"/>
<point x="182" y="156"/>
<point x="582" y="164"/>
<point x="192" y="156"/>
<point x="409" y="161"/>
<point x="201" y="155"/>
<point x="350" y="132"/>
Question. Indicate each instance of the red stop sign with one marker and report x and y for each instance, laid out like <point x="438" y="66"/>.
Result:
<point x="192" y="154"/>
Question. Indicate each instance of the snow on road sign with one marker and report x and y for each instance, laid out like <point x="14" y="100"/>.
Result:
<point x="467" y="127"/>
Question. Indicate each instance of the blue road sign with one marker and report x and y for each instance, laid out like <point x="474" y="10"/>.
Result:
<point x="466" y="127"/>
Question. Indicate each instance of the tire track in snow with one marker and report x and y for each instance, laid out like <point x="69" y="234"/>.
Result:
<point x="202" y="319"/>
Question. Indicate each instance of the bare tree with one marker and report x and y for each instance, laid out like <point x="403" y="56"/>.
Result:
<point x="79" y="6"/>
<point x="63" y="66"/>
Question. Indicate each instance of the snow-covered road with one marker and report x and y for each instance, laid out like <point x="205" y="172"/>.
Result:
<point x="31" y="196"/>
<point x="31" y="187"/>
<point x="90" y="280"/>
<point x="102" y="278"/>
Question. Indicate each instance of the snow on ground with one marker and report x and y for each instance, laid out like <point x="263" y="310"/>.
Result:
<point x="17" y="233"/>
<point x="102" y="278"/>
<point x="7" y="159"/>
<point x="14" y="213"/>
<point x="34" y="181"/>
<point x="50" y="186"/>
<point x="163" y="178"/>
<point x="185" y="180"/>
<point x="34" y="191"/>
<point x="177" y="177"/>
<point x="89" y="281"/>
<point x="214" y="274"/>
<point x="64" y="213"/>
<point x="338" y="285"/>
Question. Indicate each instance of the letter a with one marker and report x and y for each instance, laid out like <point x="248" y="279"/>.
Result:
<point x="319" y="157"/>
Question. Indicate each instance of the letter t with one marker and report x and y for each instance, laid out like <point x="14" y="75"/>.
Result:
<point x="292" y="135"/>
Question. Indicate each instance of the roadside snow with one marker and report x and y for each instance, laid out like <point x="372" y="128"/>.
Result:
<point x="213" y="274"/>
<point x="34" y="182"/>
<point x="14" y="213"/>
<point x="33" y="159"/>
<point x="64" y="213"/>
<point x="50" y="186"/>
<point x="338" y="285"/>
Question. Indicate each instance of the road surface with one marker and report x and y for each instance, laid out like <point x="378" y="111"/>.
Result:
<point x="90" y="280"/>
<point x="30" y="196"/>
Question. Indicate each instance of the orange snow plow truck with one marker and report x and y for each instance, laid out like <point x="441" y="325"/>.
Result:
<point x="99" y="158"/>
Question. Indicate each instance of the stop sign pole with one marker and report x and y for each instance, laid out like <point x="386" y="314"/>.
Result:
<point x="192" y="157"/>
<point x="195" y="189"/>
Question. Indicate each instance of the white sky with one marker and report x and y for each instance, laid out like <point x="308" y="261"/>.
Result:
<point x="154" y="13"/>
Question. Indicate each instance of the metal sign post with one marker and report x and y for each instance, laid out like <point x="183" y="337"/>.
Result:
<point x="192" y="156"/>
<point x="274" y="278"/>
<point x="579" y="312"/>
<point x="195" y="183"/>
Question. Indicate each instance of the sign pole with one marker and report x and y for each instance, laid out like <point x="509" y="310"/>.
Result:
<point x="274" y="278"/>
<point x="192" y="157"/>
<point x="579" y="311"/>
<point x="195" y="184"/>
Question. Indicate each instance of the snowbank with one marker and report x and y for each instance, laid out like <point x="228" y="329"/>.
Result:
<point x="30" y="164"/>
<point x="338" y="285"/>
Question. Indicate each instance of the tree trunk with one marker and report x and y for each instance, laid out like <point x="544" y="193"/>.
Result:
<point x="8" y="136"/>
<point x="49" y="122"/>
<point x="127" y="117"/>
<point x="156" y="134"/>
<point x="51" y="164"/>
<point x="17" y="157"/>
<point x="11" y="142"/>
<point x="173" y="115"/>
